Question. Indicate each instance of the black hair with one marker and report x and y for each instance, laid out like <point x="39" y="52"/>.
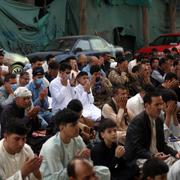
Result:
<point x="53" y="65"/>
<point x="152" y="60"/>
<point x="166" y="51"/>
<point x="35" y="59"/>
<point x="75" y="105"/>
<point x="116" y="88"/>
<point x="162" y="61"/>
<point x="135" y="69"/>
<point x="148" y="96"/>
<point x="94" y="69"/>
<point x="50" y="56"/>
<point x="105" y="123"/>
<point x="154" y="167"/>
<point x="63" y="66"/>
<point x="71" y="169"/>
<point x="170" y="76"/>
<point x="23" y="73"/>
<point x="174" y="49"/>
<point x="80" y="74"/>
<point x="175" y="63"/>
<point x="169" y="95"/>
<point x="65" y="116"/>
<point x="16" y="126"/>
<point x="7" y="77"/>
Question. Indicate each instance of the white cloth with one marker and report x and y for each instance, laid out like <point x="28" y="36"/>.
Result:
<point x="175" y="131"/>
<point x="89" y="109"/>
<point x="174" y="171"/>
<point x="135" y="105"/>
<point x="10" y="165"/>
<point x="131" y="64"/>
<point x="4" y="68"/>
<point x="61" y="95"/>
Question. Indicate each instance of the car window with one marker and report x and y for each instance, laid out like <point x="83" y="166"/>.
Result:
<point x="61" y="45"/>
<point x="165" y="40"/>
<point x="98" y="44"/>
<point x="83" y="44"/>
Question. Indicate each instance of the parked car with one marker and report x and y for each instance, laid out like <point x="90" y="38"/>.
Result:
<point x="16" y="62"/>
<point x="72" y="45"/>
<point x="164" y="41"/>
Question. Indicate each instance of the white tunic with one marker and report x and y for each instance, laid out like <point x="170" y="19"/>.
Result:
<point x="89" y="109"/>
<point x="10" y="165"/>
<point x="135" y="105"/>
<point x="61" y="95"/>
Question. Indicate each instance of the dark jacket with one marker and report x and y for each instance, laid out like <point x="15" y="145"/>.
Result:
<point x="102" y="155"/>
<point x="138" y="138"/>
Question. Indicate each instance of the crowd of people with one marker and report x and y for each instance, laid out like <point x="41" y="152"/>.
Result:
<point x="90" y="118"/>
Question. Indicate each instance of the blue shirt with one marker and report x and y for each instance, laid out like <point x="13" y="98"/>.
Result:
<point x="35" y="96"/>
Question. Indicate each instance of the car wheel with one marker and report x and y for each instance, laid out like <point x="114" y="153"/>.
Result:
<point x="16" y="68"/>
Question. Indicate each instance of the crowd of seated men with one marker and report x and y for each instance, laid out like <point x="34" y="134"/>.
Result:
<point x="91" y="118"/>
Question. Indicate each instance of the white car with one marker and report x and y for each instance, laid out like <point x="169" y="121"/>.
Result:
<point x="16" y="62"/>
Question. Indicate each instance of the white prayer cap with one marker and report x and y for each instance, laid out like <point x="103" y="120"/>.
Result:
<point x="22" y="92"/>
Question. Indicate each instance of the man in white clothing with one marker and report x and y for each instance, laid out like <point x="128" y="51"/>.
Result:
<point x="61" y="88"/>
<point x="64" y="146"/>
<point x="84" y="94"/>
<point x="17" y="160"/>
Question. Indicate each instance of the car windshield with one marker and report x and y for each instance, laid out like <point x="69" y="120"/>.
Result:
<point x="61" y="45"/>
<point x="165" y="40"/>
<point x="98" y="44"/>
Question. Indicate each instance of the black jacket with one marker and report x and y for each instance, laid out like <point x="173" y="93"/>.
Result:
<point x="102" y="155"/>
<point x="138" y="138"/>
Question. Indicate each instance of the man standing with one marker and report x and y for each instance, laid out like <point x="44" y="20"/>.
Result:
<point x="17" y="160"/>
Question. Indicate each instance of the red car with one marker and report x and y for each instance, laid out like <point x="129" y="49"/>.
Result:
<point x="164" y="41"/>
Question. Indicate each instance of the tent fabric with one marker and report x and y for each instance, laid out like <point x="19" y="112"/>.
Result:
<point x="128" y="2"/>
<point x="22" y="31"/>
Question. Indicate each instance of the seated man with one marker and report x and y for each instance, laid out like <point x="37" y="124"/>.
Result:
<point x="79" y="169"/>
<point x="145" y="135"/>
<point x="65" y="145"/>
<point x="17" y="160"/>
<point x="169" y="115"/>
<point x="110" y="154"/>
<point x="7" y="89"/>
<point x="39" y="96"/>
<point x="101" y="86"/>
<point x="115" y="109"/>
<point x="154" y="169"/>
<point x="61" y="88"/>
<point x="84" y="94"/>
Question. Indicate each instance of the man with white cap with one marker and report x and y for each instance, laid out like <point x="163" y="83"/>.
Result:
<point x="17" y="108"/>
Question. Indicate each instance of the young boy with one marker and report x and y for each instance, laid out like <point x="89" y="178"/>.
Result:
<point x="108" y="153"/>
<point x="84" y="94"/>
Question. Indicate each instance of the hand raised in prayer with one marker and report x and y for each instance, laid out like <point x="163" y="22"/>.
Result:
<point x="87" y="86"/>
<point x="33" y="112"/>
<point x="43" y="94"/>
<point x="178" y="155"/>
<point x="31" y="165"/>
<point x="120" y="151"/>
<point x="161" y="156"/>
<point x="84" y="153"/>
<point x="8" y="88"/>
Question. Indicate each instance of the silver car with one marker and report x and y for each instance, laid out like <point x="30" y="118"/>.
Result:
<point x="16" y="62"/>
